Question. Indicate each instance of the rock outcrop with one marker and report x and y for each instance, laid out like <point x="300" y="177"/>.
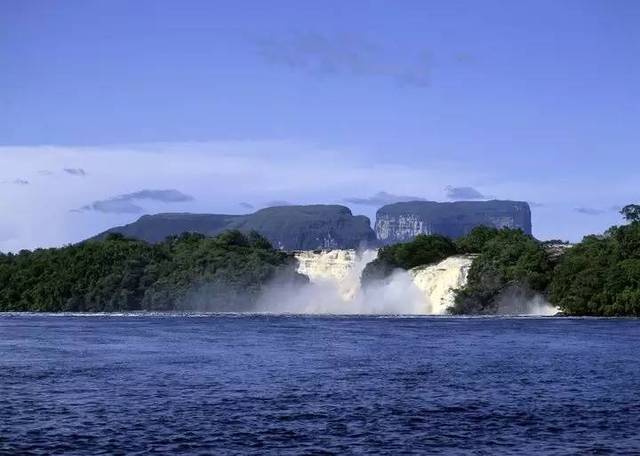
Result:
<point x="401" y="222"/>
<point x="287" y="227"/>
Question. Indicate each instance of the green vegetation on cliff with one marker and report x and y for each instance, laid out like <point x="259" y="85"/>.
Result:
<point x="189" y="272"/>
<point x="423" y="249"/>
<point x="600" y="275"/>
<point x="507" y="260"/>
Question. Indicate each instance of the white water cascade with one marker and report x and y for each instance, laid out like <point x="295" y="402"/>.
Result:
<point x="422" y="290"/>
<point x="338" y="268"/>
<point x="437" y="282"/>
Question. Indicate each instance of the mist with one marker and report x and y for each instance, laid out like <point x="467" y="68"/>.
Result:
<point x="395" y="295"/>
<point x="519" y="301"/>
<point x="334" y="287"/>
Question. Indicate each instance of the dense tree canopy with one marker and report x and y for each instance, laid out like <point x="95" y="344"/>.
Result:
<point x="600" y="275"/>
<point x="117" y="274"/>
<point x="631" y="212"/>
<point x="475" y="241"/>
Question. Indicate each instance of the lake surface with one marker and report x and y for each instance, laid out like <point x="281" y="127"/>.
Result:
<point x="214" y="384"/>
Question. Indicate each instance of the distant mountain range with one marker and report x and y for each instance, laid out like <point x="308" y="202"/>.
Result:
<point x="335" y="227"/>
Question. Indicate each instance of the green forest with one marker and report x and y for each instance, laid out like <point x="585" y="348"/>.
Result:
<point x="188" y="272"/>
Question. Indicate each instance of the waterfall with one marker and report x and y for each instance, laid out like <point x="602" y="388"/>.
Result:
<point x="340" y="268"/>
<point x="336" y="273"/>
<point x="438" y="281"/>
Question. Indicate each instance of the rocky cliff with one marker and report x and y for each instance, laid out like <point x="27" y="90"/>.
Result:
<point x="287" y="227"/>
<point x="401" y="222"/>
<point x="335" y="227"/>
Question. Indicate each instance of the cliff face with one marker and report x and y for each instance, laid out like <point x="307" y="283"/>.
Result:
<point x="401" y="222"/>
<point x="310" y="227"/>
<point x="287" y="227"/>
<point x="335" y="227"/>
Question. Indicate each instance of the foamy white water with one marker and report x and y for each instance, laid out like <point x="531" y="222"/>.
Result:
<point x="336" y="268"/>
<point x="438" y="282"/>
<point x="335" y="286"/>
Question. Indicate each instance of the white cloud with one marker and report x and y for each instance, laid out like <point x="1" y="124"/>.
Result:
<point x="75" y="171"/>
<point x="126" y="204"/>
<point x="382" y="198"/>
<point x="463" y="193"/>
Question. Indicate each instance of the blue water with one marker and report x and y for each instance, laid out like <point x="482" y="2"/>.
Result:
<point x="318" y="385"/>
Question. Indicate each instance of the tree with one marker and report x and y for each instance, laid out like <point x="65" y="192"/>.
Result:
<point x="186" y="272"/>
<point x="600" y="275"/>
<point x="477" y="238"/>
<point x="631" y="212"/>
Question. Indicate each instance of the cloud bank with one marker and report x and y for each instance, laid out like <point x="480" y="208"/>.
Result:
<point x="323" y="54"/>
<point x="75" y="171"/>
<point x="125" y="204"/>
<point x="382" y="198"/>
<point x="591" y="210"/>
<point x="274" y="203"/>
<point x="463" y="193"/>
<point x="16" y="182"/>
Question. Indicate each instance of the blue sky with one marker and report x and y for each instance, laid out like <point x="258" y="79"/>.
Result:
<point x="243" y="103"/>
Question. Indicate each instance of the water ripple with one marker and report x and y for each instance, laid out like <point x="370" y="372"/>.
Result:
<point x="265" y="384"/>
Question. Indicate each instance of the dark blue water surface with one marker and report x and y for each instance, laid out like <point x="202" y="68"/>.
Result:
<point x="318" y="385"/>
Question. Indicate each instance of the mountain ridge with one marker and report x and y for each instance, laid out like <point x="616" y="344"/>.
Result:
<point x="307" y="227"/>
<point x="332" y="226"/>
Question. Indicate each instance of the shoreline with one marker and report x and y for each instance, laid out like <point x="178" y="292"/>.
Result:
<point x="197" y="314"/>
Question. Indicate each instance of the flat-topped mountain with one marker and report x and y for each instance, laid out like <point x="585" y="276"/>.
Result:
<point x="335" y="227"/>
<point x="287" y="227"/>
<point x="401" y="222"/>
